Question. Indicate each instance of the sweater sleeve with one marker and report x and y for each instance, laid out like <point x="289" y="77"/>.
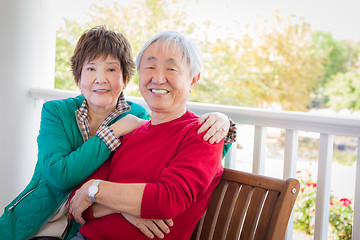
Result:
<point x="187" y="176"/>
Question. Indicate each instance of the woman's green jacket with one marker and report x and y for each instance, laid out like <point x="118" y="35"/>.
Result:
<point x="64" y="161"/>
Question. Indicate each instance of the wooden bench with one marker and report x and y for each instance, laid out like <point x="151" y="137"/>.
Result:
<point x="248" y="206"/>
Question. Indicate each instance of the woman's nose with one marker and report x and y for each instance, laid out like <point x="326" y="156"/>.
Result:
<point x="100" y="77"/>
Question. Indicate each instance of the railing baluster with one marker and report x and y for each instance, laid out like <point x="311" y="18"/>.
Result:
<point x="323" y="186"/>
<point x="290" y="153"/>
<point x="290" y="159"/>
<point x="259" y="150"/>
<point x="356" y="218"/>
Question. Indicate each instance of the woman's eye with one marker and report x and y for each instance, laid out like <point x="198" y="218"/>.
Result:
<point x="90" y="69"/>
<point x="112" y="70"/>
<point x="150" y="68"/>
<point x="171" y="69"/>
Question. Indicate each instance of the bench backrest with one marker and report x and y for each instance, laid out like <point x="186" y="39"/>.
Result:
<point x="248" y="206"/>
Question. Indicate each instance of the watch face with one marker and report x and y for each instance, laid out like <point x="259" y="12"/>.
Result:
<point x="93" y="190"/>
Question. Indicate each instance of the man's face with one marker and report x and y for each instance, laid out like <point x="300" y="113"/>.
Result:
<point x="164" y="79"/>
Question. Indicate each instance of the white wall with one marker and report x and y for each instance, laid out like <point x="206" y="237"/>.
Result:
<point x="27" y="50"/>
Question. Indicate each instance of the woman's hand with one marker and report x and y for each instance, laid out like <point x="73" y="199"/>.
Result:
<point x="126" y="125"/>
<point x="217" y="124"/>
<point x="80" y="202"/>
<point x="149" y="227"/>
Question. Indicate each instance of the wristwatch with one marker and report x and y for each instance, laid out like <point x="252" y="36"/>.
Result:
<point x="93" y="189"/>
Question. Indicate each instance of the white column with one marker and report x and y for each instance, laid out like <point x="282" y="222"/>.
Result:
<point x="23" y="65"/>
<point x="323" y="186"/>
<point x="259" y="150"/>
<point x="290" y="160"/>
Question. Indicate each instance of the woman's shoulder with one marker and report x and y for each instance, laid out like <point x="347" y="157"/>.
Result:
<point x="138" y="110"/>
<point x="62" y="107"/>
<point x="72" y="103"/>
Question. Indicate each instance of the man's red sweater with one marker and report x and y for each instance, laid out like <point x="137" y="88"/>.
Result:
<point x="180" y="169"/>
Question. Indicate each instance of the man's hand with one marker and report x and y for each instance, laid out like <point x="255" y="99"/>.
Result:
<point x="150" y="227"/>
<point x="217" y="124"/>
<point x="80" y="202"/>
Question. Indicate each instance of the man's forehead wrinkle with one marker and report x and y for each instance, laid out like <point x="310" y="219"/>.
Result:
<point x="151" y="58"/>
<point x="168" y="60"/>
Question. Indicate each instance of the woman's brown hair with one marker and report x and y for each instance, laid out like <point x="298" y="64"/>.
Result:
<point x="102" y="42"/>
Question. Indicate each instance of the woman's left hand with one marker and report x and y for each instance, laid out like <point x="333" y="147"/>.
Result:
<point x="217" y="124"/>
<point x="80" y="202"/>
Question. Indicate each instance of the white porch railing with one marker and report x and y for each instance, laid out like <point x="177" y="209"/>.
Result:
<point x="292" y="122"/>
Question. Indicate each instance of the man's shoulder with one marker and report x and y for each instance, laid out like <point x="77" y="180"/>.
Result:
<point x="191" y="119"/>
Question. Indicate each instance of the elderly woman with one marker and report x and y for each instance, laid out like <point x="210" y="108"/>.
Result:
<point x="163" y="169"/>
<point x="77" y="135"/>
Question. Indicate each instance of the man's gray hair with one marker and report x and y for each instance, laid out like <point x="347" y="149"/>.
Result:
<point x="189" y="49"/>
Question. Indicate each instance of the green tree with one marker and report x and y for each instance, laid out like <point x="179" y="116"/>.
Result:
<point x="340" y="57"/>
<point x="343" y="90"/>
<point x="337" y="54"/>
<point x="66" y="39"/>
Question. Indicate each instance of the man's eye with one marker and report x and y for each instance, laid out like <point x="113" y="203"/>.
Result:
<point x="112" y="70"/>
<point x="171" y="69"/>
<point x="150" y="67"/>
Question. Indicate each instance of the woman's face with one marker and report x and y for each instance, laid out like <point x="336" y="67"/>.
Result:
<point x="101" y="82"/>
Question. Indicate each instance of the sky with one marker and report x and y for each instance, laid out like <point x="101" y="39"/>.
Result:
<point x="339" y="17"/>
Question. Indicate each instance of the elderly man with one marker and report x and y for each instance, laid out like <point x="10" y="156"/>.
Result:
<point x="162" y="170"/>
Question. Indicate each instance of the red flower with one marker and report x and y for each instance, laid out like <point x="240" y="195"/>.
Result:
<point x="345" y="201"/>
<point x="331" y="203"/>
<point x="298" y="172"/>
<point x="309" y="184"/>
<point x="302" y="190"/>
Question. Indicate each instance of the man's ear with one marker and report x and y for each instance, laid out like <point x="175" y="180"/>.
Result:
<point x="194" y="82"/>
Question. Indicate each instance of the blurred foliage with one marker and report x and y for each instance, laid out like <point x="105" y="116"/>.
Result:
<point x="65" y="43"/>
<point x="343" y="90"/>
<point x="279" y="65"/>
<point x="274" y="62"/>
<point x="338" y="53"/>
<point x="341" y="210"/>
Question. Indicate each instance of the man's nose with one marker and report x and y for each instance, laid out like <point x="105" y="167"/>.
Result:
<point x="159" y="77"/>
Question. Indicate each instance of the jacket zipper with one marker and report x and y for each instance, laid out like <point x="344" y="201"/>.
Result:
<point x="20" y="199"/>
<point x="57" y="209"/>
